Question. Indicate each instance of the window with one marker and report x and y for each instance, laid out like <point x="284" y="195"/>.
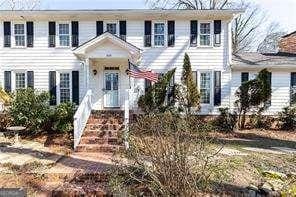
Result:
<point x="20" y="81"/>
<point x="205" y="87"/>
<point x="64" y="34"/>
<point x="244" y="77"/>
<point x="64" y="87"/>
<point x="205" y="34"/>
<point x="158" y="34"/>
<point x="111" y="28"/>
<point x="19" y="34"/>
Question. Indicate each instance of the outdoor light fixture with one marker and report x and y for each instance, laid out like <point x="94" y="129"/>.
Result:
<point x="95" y="72"/>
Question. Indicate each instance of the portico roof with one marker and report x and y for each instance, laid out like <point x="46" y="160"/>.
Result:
<point x="82" y="50"/>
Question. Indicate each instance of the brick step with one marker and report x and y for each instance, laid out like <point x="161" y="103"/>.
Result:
<point x="104" y="127"/>
<point x="98" y="140"/>
<point x="101" y="134"/>
<point x="98" y="148"/>
<point x="103" y="122"/>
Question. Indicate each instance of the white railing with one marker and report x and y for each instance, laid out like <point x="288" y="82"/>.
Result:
<point x="81" y="117"/>
<point x="126" y="117"/>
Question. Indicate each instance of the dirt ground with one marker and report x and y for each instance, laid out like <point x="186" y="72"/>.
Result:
<point x="246" y="154"/>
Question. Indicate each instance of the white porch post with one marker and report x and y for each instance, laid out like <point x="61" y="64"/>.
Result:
<point x="87" y="65"/>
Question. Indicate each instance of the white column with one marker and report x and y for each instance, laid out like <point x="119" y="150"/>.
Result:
<point x="87" y="65"/>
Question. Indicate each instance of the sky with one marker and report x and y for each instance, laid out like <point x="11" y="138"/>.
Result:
<point x="281" y="11"/>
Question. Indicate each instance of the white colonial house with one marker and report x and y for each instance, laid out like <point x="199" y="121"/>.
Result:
<point x="82" y="56"/>
<point x="69" y="53"/>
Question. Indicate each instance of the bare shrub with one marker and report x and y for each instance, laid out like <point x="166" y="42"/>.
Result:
<point x="169" y="155"/>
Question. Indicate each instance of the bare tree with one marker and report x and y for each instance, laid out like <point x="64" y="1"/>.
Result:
<point x="245" y="27"/>
<point x="19" y="4"/>
<point x="190" y="4"/>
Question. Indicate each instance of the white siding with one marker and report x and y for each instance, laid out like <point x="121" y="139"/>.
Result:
<point x="280" y="96"/>
<point x="42" y="59"/>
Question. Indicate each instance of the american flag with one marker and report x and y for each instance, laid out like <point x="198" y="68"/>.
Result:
<point x="135" y="72"/>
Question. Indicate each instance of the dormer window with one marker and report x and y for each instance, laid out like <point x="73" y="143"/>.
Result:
<point x="64" y="34"/>
<point x="158" y="34"/>
<point x="111" y="28"/>
<point x="205" y="34"/>
<point x="19" y="35"/>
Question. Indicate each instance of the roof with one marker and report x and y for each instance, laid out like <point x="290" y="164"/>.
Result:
<point x="256" y="60"/>
<point x="287" y="35"/>
<point x="120" y="14"/>
<point x="91" y="45"/>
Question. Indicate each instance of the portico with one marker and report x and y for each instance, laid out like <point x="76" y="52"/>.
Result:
<point x="105" y="60"/>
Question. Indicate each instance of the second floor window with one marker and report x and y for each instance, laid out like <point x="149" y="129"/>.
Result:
<point x="65" y="87"/>
<point x="205" y="34"/>
<point x="19" y="34"/>
<point x="64" y="34"/>
<point x="159" y="34"/>
<point x="20" y="81"/>
<point x="111" y="28"/>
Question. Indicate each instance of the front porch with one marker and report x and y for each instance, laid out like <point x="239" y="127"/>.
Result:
<point x="105" y="60"/>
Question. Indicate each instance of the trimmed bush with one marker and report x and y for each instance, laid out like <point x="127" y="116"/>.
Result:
<point x="226" y="121"/>
<point x="30" y="109"/>
<point x="63" y="117"/>
<point x="287" y="118"/>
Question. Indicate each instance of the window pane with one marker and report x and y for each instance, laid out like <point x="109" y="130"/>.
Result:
<point x="159" y="28"/>
<point x="205" y="28"/>
<point x="20" y="81"/>
<point x="65" y="87"/>
<point x="19" y="29"/>
<point x="19" y="40"/>
<point x="205" y="40"/>
<point x="111" y="28"/>
<point x="205" y="87"/>
<point x="63" y="28"/>
<point x="159" y="40"/>
<point x="64" y="40"/>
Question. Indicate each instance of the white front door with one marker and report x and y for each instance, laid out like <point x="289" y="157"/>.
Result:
<point x="111" y="85"/>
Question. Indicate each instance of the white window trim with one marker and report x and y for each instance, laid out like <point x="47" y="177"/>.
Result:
<point x="165" y="34"/>
<point x="211" y="86"/>
<point x="13" y="78"/>
<point x="211" y="35"/>
<point x="111" y="22"/>
<point x="13" y="45"/>
<point x="59" y="85"/>
<point x="58" y="34"/>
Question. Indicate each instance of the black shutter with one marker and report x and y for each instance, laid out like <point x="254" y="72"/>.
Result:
<point x="122" y="30"/>
<point x="217" y="32"/>
<point x="75" y="33"/>
<point x="148" y="31"/>
<point x="217" y="88"/>
<point x="244" y="77"/>
<point x="7" y="34"/>
<point x="52" y="34"/>
<point x="52" y="88"/>
<point x="217" y="27"/>
<point x="269" y="77"/>
<point x="75" y="87"/>
<point x="171" y="33"/>
<point x="193" y="33"/>
<point x="30" y="79"/>
<point x="147" y="85"/>
<point x="7" y="81"/>
<point x="293" y="89"/>
<point x="30" y="34"/>
<point x="100" y="28"/>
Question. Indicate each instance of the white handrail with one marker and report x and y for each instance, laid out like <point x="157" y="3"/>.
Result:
<point x="81" y="117"/>
<point x="126" y="117"/>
